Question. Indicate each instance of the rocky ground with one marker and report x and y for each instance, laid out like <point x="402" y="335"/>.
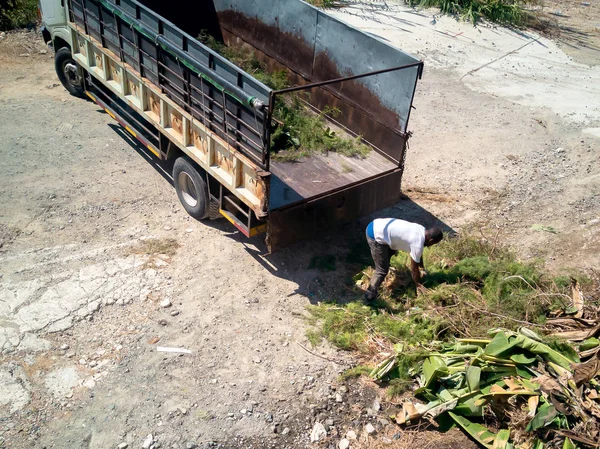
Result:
<point x="100" y="266"/>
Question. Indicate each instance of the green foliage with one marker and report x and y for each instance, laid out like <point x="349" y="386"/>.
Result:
<point x="508" y="12"/>
<point x="323" y="263"/>
<point x="18" y="14"/>
<point x="353" y="373"/>
<point x="298" y="131"/>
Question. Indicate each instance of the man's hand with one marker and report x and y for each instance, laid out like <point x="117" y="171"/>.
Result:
<point x="422" y="290"/>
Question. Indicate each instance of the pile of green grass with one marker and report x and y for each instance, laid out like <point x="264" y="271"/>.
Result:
<point x="299" y="132"/>
<point x="472" y="286"/>
<point x="17" y="14"/>
<point x="507" y="12"/>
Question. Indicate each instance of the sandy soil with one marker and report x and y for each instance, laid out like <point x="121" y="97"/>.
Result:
<point x="83" y="310"/>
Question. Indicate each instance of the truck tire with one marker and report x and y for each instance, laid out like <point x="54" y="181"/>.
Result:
<point x="191" y="189"/>
<point x="69" y="73"/>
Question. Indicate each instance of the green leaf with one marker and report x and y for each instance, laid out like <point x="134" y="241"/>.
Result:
<point x="544" y="228"/>
<point x="522" y="359"/>
<point x="480" y="433"/>
<point x="546" y="413"/>
<point x="590" y="343"/>
<point x="543" y="350"/>
<point x="568" y="444"/>
<point x="433" y="368"/>
<point x="498" y="345"/>
<point x="473" y="374"/>
<point x="501" y="440"/>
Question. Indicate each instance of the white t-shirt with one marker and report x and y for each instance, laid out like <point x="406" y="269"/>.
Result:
<point x="400" y="235"/>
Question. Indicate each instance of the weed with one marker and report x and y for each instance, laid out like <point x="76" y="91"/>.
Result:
<point x="353" y="373"/>
<point x="323" y="263"/>
<point x="152" y="247"/>
<point x="298" y="131"/>
<point x="508" y="12"/>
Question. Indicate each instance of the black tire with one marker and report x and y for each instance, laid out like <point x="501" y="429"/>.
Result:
<point x="191" y="189"/>
<point x="69" y="73"/>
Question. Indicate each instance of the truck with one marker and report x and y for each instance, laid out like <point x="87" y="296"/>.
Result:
<point x="212" y="123"/>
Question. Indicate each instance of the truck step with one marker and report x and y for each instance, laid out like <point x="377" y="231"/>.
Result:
<point x="243" y="228"/>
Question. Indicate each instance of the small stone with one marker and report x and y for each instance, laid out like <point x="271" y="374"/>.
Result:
<point x="369" y="428"/>
<point x="89" y="383"/>
<point x="82" y="361"/>
<point x="339" y="398"/>
<point x="175" y="313"/>
<point x="274" y="429"/>
<point x="257" y="360"/>
<point x="243" y="411"/>
<point x="64" y="347"/>
<point x="43" y="52"/>
<point x="318" y="432"/>
<point x="351" y="435"/>
<point x="93" y="363"/>
<point x="162" y="322"/>
<point x="189" y="230"/>
<point x="183" y="411"/>
<point x="70" y="355"/>
<point x="285" y="431"/>
<point x="344" y="444"/>
<point x="190" y="445"/>
<point x="376" y="405"/>
<point x="167" y="228"/>
<point x="165" y="303"/>
<point x="329" y="422"/>
<point x="148" y="441"/>
<point x="122" y="446"/>
<point x="384" y="422"/>
<point x="343" y="389"/>
<point x="230" y="415"/>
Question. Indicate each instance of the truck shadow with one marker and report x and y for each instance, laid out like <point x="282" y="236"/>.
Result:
<point x="323" y="268"/>
<point x="326" y="268"/>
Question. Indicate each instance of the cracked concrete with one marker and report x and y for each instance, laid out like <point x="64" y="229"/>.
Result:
<point x="52" y="303"/>
<point x="14" y="388"/>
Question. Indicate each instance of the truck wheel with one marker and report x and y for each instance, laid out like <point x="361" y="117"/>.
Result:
<point x="191" y="189"/>
<point x="69" y="73"/>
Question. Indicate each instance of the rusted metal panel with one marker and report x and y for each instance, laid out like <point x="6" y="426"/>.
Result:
<point x="314" y="46"/>
<point x="286" y="226"/>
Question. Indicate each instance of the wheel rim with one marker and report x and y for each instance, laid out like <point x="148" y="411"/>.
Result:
<point x="72" y="73"/>
<point x="188" y="189"/>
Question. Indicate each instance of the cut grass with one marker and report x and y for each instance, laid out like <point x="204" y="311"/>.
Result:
<point x="298" y="131"/>
<point x="472" y="286"/>
<point x="151" y="247"/>
<point x="506" y="12"/>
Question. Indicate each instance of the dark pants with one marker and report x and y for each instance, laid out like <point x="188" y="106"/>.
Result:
<point x="381" y="254"/>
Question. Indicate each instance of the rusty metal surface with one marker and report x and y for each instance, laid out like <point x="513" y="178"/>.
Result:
<point x="307" y="220"/>
<point x="315" y="47"/>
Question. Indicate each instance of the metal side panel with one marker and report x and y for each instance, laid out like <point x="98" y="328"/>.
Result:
<point x="243" y="178"/>
<point x="289" y="225"/>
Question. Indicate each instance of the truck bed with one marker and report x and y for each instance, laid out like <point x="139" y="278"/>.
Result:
<point x="293" y="182"/>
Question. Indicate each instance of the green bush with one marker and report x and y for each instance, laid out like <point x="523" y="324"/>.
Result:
<point x="17" y="14"/>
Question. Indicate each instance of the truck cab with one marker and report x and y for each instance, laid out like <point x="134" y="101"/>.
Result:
<point x="54" y="23"/>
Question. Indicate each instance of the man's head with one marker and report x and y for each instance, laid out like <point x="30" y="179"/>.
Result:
<point x="433" y="236"/>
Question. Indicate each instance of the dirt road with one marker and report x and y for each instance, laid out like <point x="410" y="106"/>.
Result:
<point x="99" y="266"/>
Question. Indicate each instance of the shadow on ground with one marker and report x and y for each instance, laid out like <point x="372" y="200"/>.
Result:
<point x="323" y="268"/>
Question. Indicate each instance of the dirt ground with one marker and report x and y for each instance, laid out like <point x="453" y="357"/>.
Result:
<point x="84" y="308"/>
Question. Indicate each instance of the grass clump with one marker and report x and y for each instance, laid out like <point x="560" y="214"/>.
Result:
<point x="507" y="12"/>
<point x="297" y="131"/>
<point x="17" y="14"/>
<point x="151" y="247"/>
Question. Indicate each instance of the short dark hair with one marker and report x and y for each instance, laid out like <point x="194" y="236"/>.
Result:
<point x="435" y="234"/>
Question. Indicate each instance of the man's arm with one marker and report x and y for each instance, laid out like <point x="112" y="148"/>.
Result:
<point x="415" y="272"/>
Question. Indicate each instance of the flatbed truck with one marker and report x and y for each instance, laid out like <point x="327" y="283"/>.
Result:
<point x="190" y="106"/>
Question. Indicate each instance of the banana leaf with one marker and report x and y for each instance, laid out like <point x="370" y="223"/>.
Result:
<point x="480" y="433"/>
<point x="473" y="376"/>
<point x="502" y="440"/>
<point x="543" y="350"/>
<point x="545" y="415"/>
<point x="522" y="359"/>
<point x="433" y="368"/>
<point x="568" y="444"/>
<point x="590" y="343"/>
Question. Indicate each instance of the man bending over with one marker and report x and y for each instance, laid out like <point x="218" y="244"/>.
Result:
<point x="387" y="236"/>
